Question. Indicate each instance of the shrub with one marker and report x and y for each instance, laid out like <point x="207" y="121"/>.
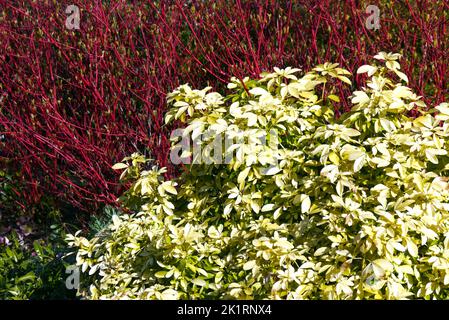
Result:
<point x="348" y="208"/>
<point x="31" y="273"/>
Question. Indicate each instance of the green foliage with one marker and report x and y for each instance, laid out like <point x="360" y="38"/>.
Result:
<point x="348" y="208"/>
<point x="28" y="220"/>
<point x="7" y="187"/>
<point x="37" y="273"/>
<point x="100" y="224"/>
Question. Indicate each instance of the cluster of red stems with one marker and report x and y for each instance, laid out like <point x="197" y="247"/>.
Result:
<point x="74" y="102"/>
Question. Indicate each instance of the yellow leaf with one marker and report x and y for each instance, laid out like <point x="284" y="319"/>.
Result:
<point x="268" y="207"/>
<point x="242" y="175"/>
<point x="333" y="97"/>
<point x="199" y="282"/>
<point x="249" y="265"/>
<point x="412" y="248"/>
<point x="344" y="79"/>
<point x="119" y="166"/>
<point x="169" y="188"/>
<point x="305" y="205"/>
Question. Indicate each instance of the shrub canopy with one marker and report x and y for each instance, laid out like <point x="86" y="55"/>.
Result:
<point x="349" y="208"/>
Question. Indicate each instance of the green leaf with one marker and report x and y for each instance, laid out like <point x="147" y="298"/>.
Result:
<point x="160" y="274"/>
<point x="29" y="276"/>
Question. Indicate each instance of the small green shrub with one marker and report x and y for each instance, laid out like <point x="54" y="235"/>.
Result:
<point x="32" y="273"/>
<point x="9" y="194"/>
<point x="349" y="208"/>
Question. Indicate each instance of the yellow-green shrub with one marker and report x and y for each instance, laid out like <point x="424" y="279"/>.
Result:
<point x="352" y="208"/>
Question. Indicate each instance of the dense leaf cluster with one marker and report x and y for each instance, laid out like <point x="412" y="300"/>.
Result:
<point x="349" y="208"/>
